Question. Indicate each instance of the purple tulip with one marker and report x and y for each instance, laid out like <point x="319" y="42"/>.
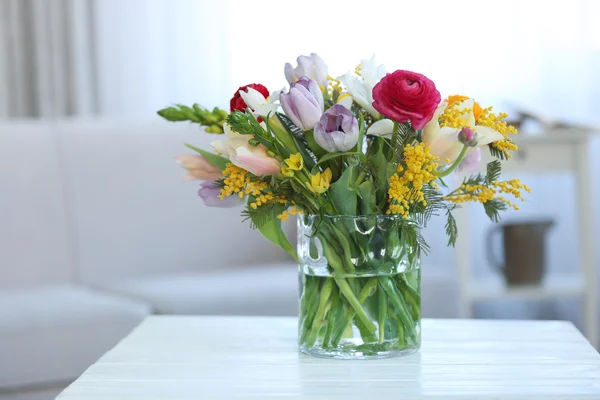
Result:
<point x="312" y="66"/>
<point x="337" y="130"/>
<point x="210" y="194"/>
<point x="304" y="103"/>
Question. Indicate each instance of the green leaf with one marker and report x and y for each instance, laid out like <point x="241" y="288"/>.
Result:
<point x="494" y="169"/>
<point x="434" y="203"/>
<point x="493" y="208"/>
<point x="331" y="156"/>
<point x="272" y="231"/>
<point x="381" y="171"/>
<point x="361" y="132"/>
<point x="411" y="235"/>
<point x="499" y="154"/>
<point x="451" y="228"/>
<point x="313" y="145"/>
<point x="342" y="193"/>
<point x="403" y="134"/>
<point x="368" y="197"/>
<point x="214" y="159"/>
<point x="293" y="139"/>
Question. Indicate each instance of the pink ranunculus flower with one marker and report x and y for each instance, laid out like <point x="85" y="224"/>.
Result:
<point x="209" y="192"/>
<point x="242" y="154"/>
<point x="198" y="168"/>
<point x="404" y="96"/>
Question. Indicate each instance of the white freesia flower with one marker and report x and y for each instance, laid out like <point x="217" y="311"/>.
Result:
<point x="260" y="106"/>
<point x="444" y="141"/>
<point x="361" y="88"/>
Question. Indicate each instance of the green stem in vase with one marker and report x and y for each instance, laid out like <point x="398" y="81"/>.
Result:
<point x="412" y="297"/>
<point x="309" y="303"/>
<point x="318" y="321"/>
<point x="340" y="241"/>
<point x="338" y="273"/>
<point x="382" y="314"/>
<point x="333" y="316"/>
<point x="399" y="327"/>
<point x="397" y="301"/>
<point x="367" y="291"/>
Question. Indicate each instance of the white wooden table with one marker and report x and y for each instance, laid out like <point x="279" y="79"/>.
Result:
<point x="172" y="357"/>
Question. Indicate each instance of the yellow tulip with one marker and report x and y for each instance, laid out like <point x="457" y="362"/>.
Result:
<point x="295" y="162"/>
<point x="285" y="171"/>
<point x="319" y="183"/>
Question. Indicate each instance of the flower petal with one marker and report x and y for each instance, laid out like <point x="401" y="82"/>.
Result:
<point x="345" y="99"/>
<point x="468" y="116"/>
<point x="445" y="144"/>
<point x="289" y="108"/>
<point x="290" y="73"/>
<point x="361" y="92"/>
<point x="253" y="98"/>
<point x="383" y="128"/>
<point x="255" y="160"/>
<point x="487" y="135"/>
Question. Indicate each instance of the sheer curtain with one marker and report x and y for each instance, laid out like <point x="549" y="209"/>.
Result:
<point x="46" y="58"/>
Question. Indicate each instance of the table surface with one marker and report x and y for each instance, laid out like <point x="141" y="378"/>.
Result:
<point x="177" y="357"/>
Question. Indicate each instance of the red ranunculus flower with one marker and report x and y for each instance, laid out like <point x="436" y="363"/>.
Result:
<point x="405" y="96"/>
<point x="238" y="103"/>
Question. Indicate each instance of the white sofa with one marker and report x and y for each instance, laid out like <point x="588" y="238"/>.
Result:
<point x="97" y="231"/>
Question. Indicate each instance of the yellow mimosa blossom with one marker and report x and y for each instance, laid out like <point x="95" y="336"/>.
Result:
<point x="294" y="210"/>
<point x="295" y="162"/>
<point x="238" y="182"/>
<point x="406" y="186"/>
<point x="483" y="194"/>
<point x="235" y="181"/>
<point x="319" y="183"/>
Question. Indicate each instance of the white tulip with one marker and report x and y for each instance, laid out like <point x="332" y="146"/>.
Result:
<point x="361" y="88"/>
<point x="383" y="128"/>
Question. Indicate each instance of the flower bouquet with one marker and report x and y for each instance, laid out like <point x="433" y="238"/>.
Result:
<point x="361" y="160"/>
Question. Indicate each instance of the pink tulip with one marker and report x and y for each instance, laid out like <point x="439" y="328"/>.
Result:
<point x="255" y="160"/>
<point x="209" y="192"/>
<point x="198" y="168"/>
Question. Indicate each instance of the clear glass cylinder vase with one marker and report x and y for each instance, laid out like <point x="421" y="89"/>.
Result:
<point x="360" y="287"/>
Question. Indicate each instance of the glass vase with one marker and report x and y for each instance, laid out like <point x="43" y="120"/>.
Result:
<point x="360" y="287"/>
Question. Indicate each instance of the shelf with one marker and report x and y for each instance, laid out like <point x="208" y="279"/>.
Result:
<point x="554" y="286"/>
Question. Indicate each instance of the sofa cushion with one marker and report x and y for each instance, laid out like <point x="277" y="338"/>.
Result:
<point x="34" y="239"/>
<point x="251" y="290"/>
<point x="52" y="334"/>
